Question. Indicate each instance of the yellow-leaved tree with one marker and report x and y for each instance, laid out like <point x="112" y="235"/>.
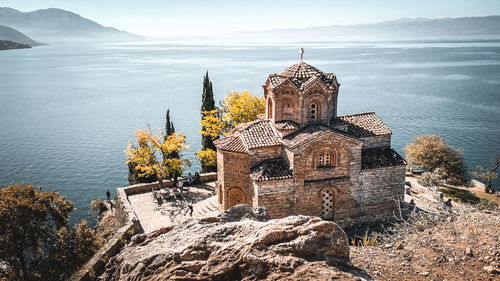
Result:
<point x="235" y="109"/>
<point x="212" y="127"/>
<point x="241" y="108"/>
<point x="153" y="156"/>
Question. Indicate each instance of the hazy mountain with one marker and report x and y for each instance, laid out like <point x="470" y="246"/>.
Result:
<point x="52" y="25"/>
<point x="10" y="34"/>
<point x="468" y="28"/>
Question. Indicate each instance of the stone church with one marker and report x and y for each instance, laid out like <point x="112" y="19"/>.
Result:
<point x="301" y="158"/>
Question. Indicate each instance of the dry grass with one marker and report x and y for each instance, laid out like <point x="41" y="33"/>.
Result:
<point x="435" y="247"/>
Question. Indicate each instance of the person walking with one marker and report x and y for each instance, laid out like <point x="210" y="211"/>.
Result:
<point x="191" y="207"/>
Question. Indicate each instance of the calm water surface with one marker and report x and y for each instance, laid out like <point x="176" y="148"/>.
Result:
<point x="67" y="112"/>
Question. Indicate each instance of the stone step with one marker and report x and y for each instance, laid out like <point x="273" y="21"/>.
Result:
<point x="205" y="207"/>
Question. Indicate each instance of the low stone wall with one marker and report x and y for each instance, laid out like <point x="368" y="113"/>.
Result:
<point x="143" y="187"/>
<point x="476" y="183"/>
<point x="426" y="195"/>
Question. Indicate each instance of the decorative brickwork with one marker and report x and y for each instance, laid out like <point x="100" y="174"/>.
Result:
<point x="300" y="158"/>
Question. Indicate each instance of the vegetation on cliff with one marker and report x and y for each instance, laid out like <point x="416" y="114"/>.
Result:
<point x="431" y="152"/>
<point x="37" y="242"/>
<point x="488" y="174"/>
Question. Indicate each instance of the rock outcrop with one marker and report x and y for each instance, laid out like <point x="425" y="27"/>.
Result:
<point x="239" y="244"/>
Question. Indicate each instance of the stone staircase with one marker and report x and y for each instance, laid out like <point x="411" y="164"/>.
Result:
<point x="206" y="208"/>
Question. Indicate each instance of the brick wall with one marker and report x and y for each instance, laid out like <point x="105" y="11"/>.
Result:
<point x="260" y="154"/>
<point x="377" y="141"/>
<point x="277" y="196"/>
<point x="235" y="174"/>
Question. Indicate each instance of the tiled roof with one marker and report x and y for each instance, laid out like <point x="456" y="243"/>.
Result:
<point x="258" y="134"/>
<point x="249" y="135"/>
<point x="301" y="75"/>
<point x="271" y="169"/>
<point x="362" y="125"/>
<point x="308" y="132"/>
<point x="374" y="158"/>
<point x="286" y="125"/>
<point x="231" y="143"/>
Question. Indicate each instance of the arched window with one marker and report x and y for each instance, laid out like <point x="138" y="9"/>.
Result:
<point x="270" y="109"/>
<point x="327" y="204"/>
<point x="313" y="109"/>
<point x="326" y="159"/>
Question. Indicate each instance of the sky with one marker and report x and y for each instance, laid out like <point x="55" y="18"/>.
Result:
<point x="162" y="18"/>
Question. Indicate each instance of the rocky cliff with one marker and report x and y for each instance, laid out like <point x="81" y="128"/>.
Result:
<point x="239" y="244"/>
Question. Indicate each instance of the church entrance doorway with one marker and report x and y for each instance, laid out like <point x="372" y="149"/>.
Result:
<point x="235" y="197"/>
<point x="327" y="204"/>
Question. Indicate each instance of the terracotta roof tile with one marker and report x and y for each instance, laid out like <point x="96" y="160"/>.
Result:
<point x="306" y="133"/>
<point x="362" y="125"/>
<point x="374" y="158"/>
<point x="271" y="169"/>
<point x="301" y="75"/>
<point x="286" y="125"/>
<point x="259" y="134"/>
<point x="231" y="143"/>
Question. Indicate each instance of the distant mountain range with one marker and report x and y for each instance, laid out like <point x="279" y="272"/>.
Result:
<point x="56" y="25"/>
<point x="467" y="28"/>
<point x="10" y="34"/>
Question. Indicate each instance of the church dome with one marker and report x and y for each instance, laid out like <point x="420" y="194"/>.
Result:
<point x="301" y="75"/>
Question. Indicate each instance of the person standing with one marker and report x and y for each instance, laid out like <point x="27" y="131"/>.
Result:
<point x="180" y="186"/>
<point x="190" y="179"/>
<point x="108" y="195"/>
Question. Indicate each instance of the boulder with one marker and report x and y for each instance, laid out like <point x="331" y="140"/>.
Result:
<point x="242" y="245"/>
<point x="243" y="211"/>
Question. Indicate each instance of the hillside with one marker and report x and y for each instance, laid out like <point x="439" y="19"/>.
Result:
<point x="467" y="28"/>
<point x="56" y="25"/>
<point x="8" y="45"/>
<point x="10" y="34"/>
<point x="461" y="245"/>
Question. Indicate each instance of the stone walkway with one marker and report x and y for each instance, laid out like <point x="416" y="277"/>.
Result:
<point x="155" y="215"/>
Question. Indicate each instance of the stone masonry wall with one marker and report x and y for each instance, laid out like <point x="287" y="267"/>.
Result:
<point x="236" y="175"/>
<point x="377" y="141"/>
<point x="311" y="181"/>
<point x="260" y="154"/>
<point x="277" y="196"/>
<point x="376" y="192"/>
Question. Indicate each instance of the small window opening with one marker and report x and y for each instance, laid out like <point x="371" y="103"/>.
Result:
<point x="314" y="110"/>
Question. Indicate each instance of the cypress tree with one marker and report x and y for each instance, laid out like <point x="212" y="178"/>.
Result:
<point x="207" y="100"/>
<point x="169" y="130"/>
<point x="207" y="104"/>
<point x="169" y="125"/>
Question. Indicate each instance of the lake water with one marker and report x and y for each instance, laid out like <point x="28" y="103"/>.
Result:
<point x="67" y="112"/>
